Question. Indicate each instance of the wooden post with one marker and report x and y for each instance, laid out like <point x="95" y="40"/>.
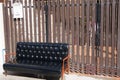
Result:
<point x="2" y="38"/>
<point x="118" y="44"/>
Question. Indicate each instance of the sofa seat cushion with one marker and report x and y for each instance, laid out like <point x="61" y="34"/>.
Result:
<point x="41" y="66"/>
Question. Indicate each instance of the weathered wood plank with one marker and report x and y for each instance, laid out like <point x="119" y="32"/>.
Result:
<point x="107" y="37"/>
<point x="49" y="21"/>
<point x="11" y="28"/>
<point x="78" y="34"/>
<point x="101" y="38"/>
<point x="83" y="34"/>
<point x="87" y="33"/>
<point x="113" y="38"/>
<point x="35" y="27"/>
<point x="30" y="21"/>
<point x="118" y="44"/>
<point x="73" y="35"/>
<point x="63" y="20"/>
<point x="26" y="16"/>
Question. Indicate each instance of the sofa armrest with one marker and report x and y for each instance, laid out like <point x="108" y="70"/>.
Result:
<point x="63" y="65"/>
<point x="10" y="57"/>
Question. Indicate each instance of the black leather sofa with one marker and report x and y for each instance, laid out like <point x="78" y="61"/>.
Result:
<point x="49" y="59"/>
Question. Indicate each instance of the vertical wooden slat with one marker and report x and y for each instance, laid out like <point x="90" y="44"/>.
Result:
<point x="30" y="20"/>
<point x="42" y="3"/>
<point x="58" y="20"/>
<point x="35" y="29"/>
<point x="77" y="33"/>
<point x="73" y="36"/>
<point x="63" y="20"/>
<point x="56" y="34"/>
<point x="39" y="35"/>
<point x="49" y="21"/>
<point x="18" y="29"/>
<point x="6" y="26"/>
<point x="15" y="23"/>
<point x="15" y="32"/>
<point x="88" y="28"/>
<point x="101" y="37"/>
<point x="82" y="33"/>
<point x="93" y="36"/>
<point x="8" y="22"/>
<point x="23" y="27"/>
<point x="67" y="20"/>
<point x="113" y="37"/>
<point x="107" y="38"/>
<point x="26" y="16"/>
<point x="11" y="28"/>
<point x="118" y="44"/>
<point x="54" y="21"/>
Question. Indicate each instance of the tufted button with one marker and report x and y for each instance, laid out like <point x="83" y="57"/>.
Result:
<point x="28" y="56"/>
<point x="22" y="50"/>
<point x="46" y="48"/>
<point x="61" y="48"/>
<point x="53" y="52"/>
<point x="41" y="57"/>
<point x="58" y="53"/>
<point x="41" y="62"/>
<point x="33" y="47"/>
<point x="60" y="58"/>
<point x="20" y="46"/>
<point x="24" y="46"/>
<point x="32" y="56"/>
<point x="45" y="57"/>
<point x="32" y="61"/>
<point x="28" y="61"/>
<point x="37" y="47"/>
<point x="51" y="48"/>
<point x="36" y="56"/>
<point x="35" y="52"/>
<point x="26" y="51"/>
<point x="39" y="52"/>
<point x="28" y="47"/>
<point x="36" y="62"/>
<point x="18" y="49"/>
<point x="63" y="53"/>
<point x="19" y="54"/>
<point x="56" y="48"/>
<point x="55" y="58"/>
<point x="51" y="58"/>
<point x="23" y="55"/>
<point x="41" y="47"/>
<point x="43" y="52"/>
<point x="30" y="51"/>
<point x="48" y="52"/>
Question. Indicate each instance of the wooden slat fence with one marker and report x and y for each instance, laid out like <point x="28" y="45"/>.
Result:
<point x="91" y="27"/>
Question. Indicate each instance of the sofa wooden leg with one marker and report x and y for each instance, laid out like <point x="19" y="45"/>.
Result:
<point x="42" y="76"/>
<point x="38" y="75"/>
<point x="62" y="78"/>
<point x="5" y="73"/>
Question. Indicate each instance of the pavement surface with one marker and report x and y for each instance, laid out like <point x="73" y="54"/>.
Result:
<point x="67" y="77"/>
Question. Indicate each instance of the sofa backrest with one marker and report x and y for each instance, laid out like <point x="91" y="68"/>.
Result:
<point x="41" y="51"/>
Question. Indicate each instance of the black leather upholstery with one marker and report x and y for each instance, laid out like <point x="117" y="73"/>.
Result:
<point x="45" y="57"/>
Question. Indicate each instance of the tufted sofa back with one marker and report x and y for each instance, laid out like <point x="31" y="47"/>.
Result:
<point x="41" y="51"/>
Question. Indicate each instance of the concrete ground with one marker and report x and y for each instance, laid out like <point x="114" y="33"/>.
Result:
<point x="67" y="77"/>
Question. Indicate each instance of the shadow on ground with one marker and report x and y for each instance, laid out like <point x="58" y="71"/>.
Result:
<point x="33" y="76"/>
